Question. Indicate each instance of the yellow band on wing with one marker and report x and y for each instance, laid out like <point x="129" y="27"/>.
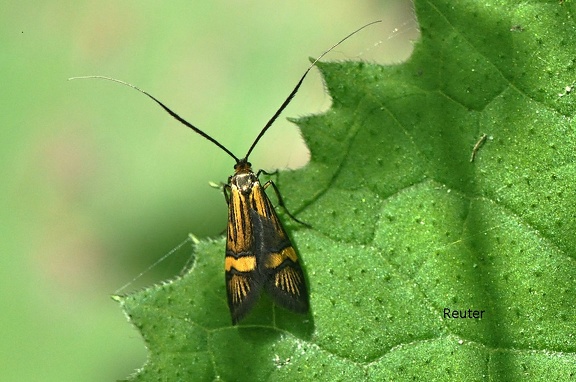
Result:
<point x="275" y="259"/>
<point x="241" y="264"/>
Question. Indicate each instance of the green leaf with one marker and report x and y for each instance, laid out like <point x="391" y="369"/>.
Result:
<point x="405" y="226"/>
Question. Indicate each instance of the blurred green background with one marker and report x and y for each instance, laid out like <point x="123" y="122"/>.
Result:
<point x="99" y="182"/>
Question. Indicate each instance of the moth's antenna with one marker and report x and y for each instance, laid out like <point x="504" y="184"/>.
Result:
<point x="293" y="93"/>
<point x="173" y="114"/>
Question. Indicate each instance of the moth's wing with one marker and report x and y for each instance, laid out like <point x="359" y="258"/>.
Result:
<point x="277" y="260"/>
<point x="243" y="281"/>
<point x="286" y="283"/>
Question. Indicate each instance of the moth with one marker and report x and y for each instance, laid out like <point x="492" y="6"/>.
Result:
<point x="259" y="254"/>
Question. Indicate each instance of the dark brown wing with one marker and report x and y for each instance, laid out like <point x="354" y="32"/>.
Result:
<point x="243" y="281"/>
<point x="277" y="260"/>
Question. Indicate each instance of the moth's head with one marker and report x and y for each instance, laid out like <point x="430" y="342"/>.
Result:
<point x="242" y="166"/>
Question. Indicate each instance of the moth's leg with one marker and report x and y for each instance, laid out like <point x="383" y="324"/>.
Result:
<point x="265" y="173"/>
<point x="226" y="190"/>
<point x="223" y="187"/>
<point x="281" y="201"/>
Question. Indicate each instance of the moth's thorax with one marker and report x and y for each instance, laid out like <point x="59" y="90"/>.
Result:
<point x="244" y="178"/>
